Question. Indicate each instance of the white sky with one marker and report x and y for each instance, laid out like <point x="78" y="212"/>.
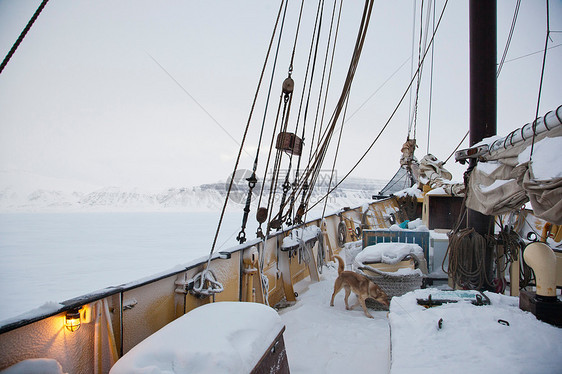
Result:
<point x="83" y="100"/>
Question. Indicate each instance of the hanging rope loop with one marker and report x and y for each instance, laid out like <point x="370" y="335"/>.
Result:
<point x="467" y="259"/>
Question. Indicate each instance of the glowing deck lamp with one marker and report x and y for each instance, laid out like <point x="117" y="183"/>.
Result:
<point x="72" y="320"/>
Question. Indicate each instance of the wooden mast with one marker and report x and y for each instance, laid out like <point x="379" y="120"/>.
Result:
<point x="483" y="93"/>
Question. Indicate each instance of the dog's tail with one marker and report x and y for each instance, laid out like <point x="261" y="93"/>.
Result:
<point x="341" y="266"/>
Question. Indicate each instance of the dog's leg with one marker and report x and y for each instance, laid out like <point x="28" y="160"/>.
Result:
<point x="357" y="302"/>
<point x="337" y="288"/>
<point x="347" y="293"/>
<point x="362" y="302"/>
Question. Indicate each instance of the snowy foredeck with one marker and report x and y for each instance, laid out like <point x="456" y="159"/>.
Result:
<point x="324" y="339"/>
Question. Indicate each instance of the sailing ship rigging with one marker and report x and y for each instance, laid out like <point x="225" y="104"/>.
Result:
<point x="296" y="134"/>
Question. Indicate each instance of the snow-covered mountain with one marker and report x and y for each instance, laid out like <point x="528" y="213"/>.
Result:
<point x="206" y="197"/>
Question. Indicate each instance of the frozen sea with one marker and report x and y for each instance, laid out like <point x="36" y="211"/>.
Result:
<point x="54" y="257"/>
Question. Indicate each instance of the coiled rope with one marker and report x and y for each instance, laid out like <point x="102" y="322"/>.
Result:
<point x="467" y="259"/>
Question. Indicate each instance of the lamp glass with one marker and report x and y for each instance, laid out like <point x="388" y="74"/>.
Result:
<point x="72" y="320"/>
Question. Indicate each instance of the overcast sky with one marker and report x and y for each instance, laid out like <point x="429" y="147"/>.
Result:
<point x="157" y="93"/>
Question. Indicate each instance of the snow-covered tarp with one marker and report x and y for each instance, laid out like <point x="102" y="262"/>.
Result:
<point x="222" y="337"/>
<point x="495" y="338"/>
<point x="390" y="253"/>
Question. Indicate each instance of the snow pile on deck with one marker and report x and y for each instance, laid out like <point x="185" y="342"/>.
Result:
<point x="35" y="365"/>
<point x="223" y="337"/>
<point x="471" y="340"/>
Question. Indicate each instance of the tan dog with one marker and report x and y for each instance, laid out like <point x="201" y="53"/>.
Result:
<point x="360" y="285"/>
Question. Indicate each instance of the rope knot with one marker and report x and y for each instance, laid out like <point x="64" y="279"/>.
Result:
<point x="205" y="284"/>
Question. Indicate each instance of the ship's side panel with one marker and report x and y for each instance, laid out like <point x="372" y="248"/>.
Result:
<point x="48" y="338"/>
<point x="228" y="272"/>
<point x="115" y="320"/>
<point x="146" y="310"/>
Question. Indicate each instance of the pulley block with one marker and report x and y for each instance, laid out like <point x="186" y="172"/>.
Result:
<point x="261" y="215"/>
<point x="290" y="143"/>
<point x="288" y="85"/>
<point x="276" y="224"/>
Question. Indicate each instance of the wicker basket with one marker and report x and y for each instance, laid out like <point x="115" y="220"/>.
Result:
<point x="393" y="285"/>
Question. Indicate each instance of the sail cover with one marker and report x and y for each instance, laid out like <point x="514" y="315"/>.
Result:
<point x="508" y="175"/>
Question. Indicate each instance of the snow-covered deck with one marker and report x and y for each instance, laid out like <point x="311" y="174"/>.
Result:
<point x="324" y="339"/>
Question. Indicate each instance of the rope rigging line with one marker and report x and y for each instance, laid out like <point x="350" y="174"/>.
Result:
<point x="252" y="180"/>
<point x="315" y="164"/>
<point x="391" y="115"/>
<point x="335" y="156"/>
<point x="324" y="73"/>
<point x="287" y="99"/>
<point x="508" y="42"/>
<point x="229" y="189"/>
<point x="457" y="147"/>
<point x="430" y="86"/>
<point x="274" y="173"/>
<point x="329" y="72"/>
<point x="412" y="62"/>
<point x="286" y="185"/>
<point x="297" y="187"/>
<point x="542" y="77"/>
<point x="424" y="32"/>
<point x="306" y="76"/>
<point x="286" y="96"/>
<point x="533" y="53"/>
<point x="259" y="231"/>
<point x="377" y="90"/>
<point x="296" y="39"/>
<point x="313" y="48"/>
<point x="22" y="35"/>
<point x="416" y="97"/>
<point x="315" y="56"/>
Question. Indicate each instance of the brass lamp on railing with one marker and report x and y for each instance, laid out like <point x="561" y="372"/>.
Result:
<point x="72" y="320"/>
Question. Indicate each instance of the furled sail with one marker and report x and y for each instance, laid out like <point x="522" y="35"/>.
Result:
<point x="523" y="166"/>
